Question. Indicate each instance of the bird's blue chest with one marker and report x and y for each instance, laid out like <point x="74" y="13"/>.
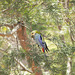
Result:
<point x="37" y="37"/>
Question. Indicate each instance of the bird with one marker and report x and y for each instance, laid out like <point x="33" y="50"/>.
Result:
<point x="36" y="35"/>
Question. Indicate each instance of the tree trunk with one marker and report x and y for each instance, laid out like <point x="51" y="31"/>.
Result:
<point x="69" y="66"/>
<point x="66" y="4"/>
<point x="69" y="59"/>
<point x="21" y="33"/>
<point x="62" y="39"/>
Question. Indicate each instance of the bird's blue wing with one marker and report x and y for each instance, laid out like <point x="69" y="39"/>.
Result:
<point x="43" y="47"/>
<point x="40" y="40"/>
<point x="40" y="37"/>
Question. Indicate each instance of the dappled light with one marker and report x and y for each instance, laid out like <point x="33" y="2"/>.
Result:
<point x="37" y="37"/>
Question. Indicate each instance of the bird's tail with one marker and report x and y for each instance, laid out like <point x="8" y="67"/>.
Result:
<point x="43" y="50"/>
<point x="46" y="48"/>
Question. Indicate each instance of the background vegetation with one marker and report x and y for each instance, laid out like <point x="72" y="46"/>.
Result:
<point x="55" y="19"/>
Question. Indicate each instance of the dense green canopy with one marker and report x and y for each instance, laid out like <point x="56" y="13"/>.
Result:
<point x="55" y="20"/>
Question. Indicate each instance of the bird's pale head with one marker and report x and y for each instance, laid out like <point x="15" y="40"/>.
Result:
<point x="34" y="32"/>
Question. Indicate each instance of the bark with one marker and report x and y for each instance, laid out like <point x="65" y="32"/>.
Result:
<point x="62" y="39"/>
<point x="8" y="35"/>
<point x="69" y="61"/>
<point x="24" y="43"/>
<point x="66" y="4"/>
<point x="22" y="36"/>
<point x="23" y="66"/>
<point x="69" y="66"/>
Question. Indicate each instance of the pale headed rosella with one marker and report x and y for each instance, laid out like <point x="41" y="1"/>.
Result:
<point x="38" y="39"/>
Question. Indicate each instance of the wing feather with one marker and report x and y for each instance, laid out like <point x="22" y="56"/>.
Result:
<point x="40" y="40"/>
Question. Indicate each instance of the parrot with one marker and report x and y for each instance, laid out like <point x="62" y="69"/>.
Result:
<point x="36" y="35"/>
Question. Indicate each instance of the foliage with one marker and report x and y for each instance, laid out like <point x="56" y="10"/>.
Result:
<point x="44" y="16"/>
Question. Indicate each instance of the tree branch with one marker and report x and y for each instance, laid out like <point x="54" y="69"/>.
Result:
<point x="19" y="62"/>
<point x="10" y="33"/>
<point x="10" y="26"/>
<point x="22" y="65"/>
<point x="6" y="10"/>
<point x="6" y="25"/>
<point x="3" y="51"/>
<point x="3" y="35"/>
